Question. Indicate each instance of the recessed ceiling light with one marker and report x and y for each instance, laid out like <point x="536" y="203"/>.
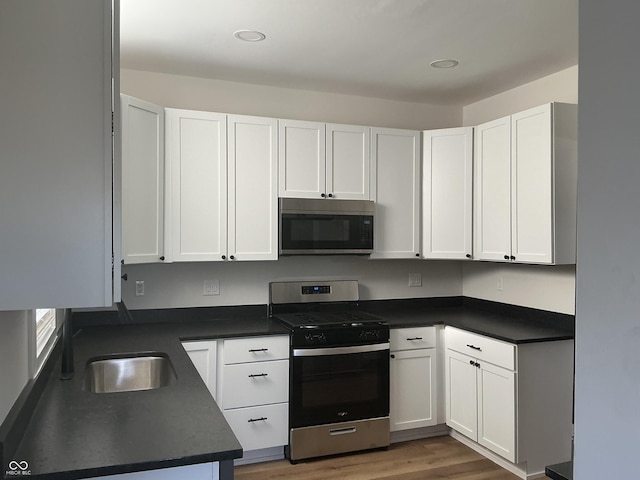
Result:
<point x="448" y="63"/>
<point x="249" y="35"/>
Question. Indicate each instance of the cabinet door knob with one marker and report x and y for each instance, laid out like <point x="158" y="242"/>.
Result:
<point x="472" y="363"/>
<point x="330" y="195"/>
<point x="224" y="257"/>
<point x="322" y="195"/>
<point x="232" y="257"/>
<point x="162" y="258"/>
<point x="393" y="356"/>
<point x="477" y="365"/>
<point x="512" y="257"/>
<point x="468" y="255"/>
<point x="506" y="257"/>
<point x="417" y="254"/>
<point x="125" y="277"/>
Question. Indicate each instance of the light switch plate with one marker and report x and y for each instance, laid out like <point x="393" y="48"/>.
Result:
<point x="415" y="280"/>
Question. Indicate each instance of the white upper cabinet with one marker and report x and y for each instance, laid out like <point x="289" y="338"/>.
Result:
<point x="142" y="181"/>
<point x="348" y="163"/>
<point x="301" y="159"/>
<point x="253" y="196"/>
<point x="447" y="203"/>
<point x="395" y="187"/>
<point x="525" y="186"/>
<point x="57" y="154"/>
<point x="197" y="185"/>
<point x="222" y="185"/>
<point x="492" y="190"/>
<point x="318" y="160"/>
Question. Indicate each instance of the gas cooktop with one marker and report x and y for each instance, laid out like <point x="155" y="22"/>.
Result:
<point x="311" y="319"/>
<point x="323" y="304"/>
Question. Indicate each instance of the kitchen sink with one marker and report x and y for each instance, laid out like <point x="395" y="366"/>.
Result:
<point x="128" y="373"/>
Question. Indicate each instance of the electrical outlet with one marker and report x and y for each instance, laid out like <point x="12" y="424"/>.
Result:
<point x="500" y="285"/>
<point x="415" y="280"/>
<point x="211" y="287"/>
<point x="139" y="288"/>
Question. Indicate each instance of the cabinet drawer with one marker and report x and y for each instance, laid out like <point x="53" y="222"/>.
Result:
<point x="412" y="338"/>
<point x="484" y="348"/>
<point x="260" y="427"/>
<point x="256" y="349"/>
<point x="259" y="383"/>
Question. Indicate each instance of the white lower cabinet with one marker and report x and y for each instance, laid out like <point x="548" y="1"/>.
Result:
<point x="514" y="400"/>
<point x="413" y="378"/>
<point x="203" y="354"/>
<point x="254" y="392"/>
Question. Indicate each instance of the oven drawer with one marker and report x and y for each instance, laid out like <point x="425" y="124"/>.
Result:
<point x="412" y="338"/>
<point x="260" y="427"/>
<point x="494" y="351"/>
<point x="259" y="383"/>
<point x="256" y="349"/>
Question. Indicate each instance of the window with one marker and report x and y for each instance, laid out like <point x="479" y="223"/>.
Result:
<point x="43" y="333"/>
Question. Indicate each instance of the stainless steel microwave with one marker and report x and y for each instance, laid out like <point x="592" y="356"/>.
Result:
<point x="326" y="226"/>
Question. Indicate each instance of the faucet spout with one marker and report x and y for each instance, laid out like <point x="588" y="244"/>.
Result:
<point x="67" y="346"/>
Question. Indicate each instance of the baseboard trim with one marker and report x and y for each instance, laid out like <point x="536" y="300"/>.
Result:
<point x="419" y="433"/>
<point x="261" y="455"/>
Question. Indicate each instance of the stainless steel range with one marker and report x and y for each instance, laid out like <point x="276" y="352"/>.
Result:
<point x="339" y="362"/>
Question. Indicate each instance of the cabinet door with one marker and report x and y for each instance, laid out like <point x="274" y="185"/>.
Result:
<point x="496" y="410"/>
<point x="461" y="395"/>
<point x="532" y="186"/>
<point x="413" y="381"/>
<point x="395" y="187"/>
<point x="492" y="191"/>
<point x="57" y="154"/>
<point x="301" y="160"/>
<point x="348" y="162"/>
<point x="447" y="193"/>
<point x="203" y="355"/>
<point x="142" y="181"/>
<point x="253" y="195"/>
<point x="197" y="162"/>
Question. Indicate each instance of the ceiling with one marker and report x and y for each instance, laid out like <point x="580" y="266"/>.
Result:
<point x="371" y="48"/>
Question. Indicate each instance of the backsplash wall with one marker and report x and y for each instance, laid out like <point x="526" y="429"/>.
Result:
<point x="180" y="285"/>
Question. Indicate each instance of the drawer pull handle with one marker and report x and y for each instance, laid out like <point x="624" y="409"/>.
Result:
<point x="414" y="338"/>
<point x="253" y="375"/>
<point x="474" y="347"/>
<point x="254" y="350"/>
<point x="261" y="419"/>
<point x="342" y="431"/>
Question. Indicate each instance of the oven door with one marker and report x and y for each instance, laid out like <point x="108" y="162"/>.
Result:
<point x="330" y="385"/>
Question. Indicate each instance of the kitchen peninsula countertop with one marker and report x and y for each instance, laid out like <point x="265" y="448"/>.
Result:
<point x="77" y="434"/>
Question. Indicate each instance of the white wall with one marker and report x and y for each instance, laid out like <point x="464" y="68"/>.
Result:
<point x="179" y="91"/>
<point x="547" y="288"/>
<point x="607" y="413"/>
<point x="14" y="358"/>
<point x="241" y="283"/>
<point x="561" y="86"/>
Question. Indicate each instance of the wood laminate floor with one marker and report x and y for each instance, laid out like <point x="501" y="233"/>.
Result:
<point x="432" y="458"/>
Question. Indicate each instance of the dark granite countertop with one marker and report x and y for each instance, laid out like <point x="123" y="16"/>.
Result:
<point x="560" y="471"/>
<point x="76" y="434"/>
<point x="504" y="322"/>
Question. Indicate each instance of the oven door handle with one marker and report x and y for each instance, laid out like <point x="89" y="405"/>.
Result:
<point x="316" y="352"/>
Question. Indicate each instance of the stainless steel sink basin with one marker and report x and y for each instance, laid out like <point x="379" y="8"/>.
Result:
<point x="128" y="373"/>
